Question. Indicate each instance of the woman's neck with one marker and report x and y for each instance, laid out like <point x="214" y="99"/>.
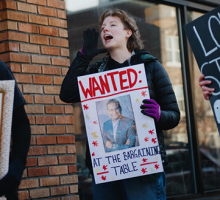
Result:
<point x="120" y="55"/>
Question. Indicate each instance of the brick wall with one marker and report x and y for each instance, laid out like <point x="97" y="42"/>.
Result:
<point x="33" y="42"/>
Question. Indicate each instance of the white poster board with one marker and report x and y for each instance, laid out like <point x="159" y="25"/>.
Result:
<point x="6" y="109"/>
<point x="104" y="96"/>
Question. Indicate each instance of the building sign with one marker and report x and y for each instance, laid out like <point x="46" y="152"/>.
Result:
<point x="6" y="109"/>
<point x="123" y="142"/>
<point x="204" y="38"/>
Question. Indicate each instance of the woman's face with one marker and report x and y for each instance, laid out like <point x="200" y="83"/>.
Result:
<point x="113" y="34"/>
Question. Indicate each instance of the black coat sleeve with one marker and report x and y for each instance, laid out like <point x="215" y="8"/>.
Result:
<point x="165" y="97"/>
<point x="69" y="89"/>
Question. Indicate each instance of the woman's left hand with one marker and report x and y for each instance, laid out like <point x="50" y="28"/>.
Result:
<point x="151" y="108"/>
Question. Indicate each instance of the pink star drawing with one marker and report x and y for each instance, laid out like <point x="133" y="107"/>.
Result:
<point x="95" y="143"/>
<point x="144" y="170"/>
<point x="95" y="122"/>
<point x="144" y="160"/>
<point x="143" y="93"/>
<point x="103" y="178"/>
<point x="156" y="166"/>
<point x="151" y="132"/>
<point x="146" y="139"/>
<point x="154" y="140"/>
<point x="85" y="107"/>
<point x="93" y="154"/>
<point x="105" y="167"/>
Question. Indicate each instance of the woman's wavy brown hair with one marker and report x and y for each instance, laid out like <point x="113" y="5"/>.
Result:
<point x="134" y="41"/>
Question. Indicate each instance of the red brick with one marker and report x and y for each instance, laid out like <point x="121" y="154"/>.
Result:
<point x="38" y="2"/>
<point x="33" y="141"/>
<point x="9" y="46"/>
<point x="44" y="182"/>
<point x="15" y="67"/>
<point x="24" y="175"/>
<point x="28" y="98"/>
<point x="39" y="193"/>
<point x="38" y="19"/>
<point x="63" y="33"/>
<point x="54" y="110"/>
<point x="30" y="28"/>
<point x="3" y="15"/>
<point x="25" y="7"/>
<point x="36" y="39"/>
<point x="21" y="78"/>
<point x="67" y="139"/>
<point x="37" y="89"/>
<point x="29" y="48"/>
<point x="64" y="71"/>
<point x="40" y="171"/>
<point x="70" y="129"/>
<point x="19" y="58"/>
<point x="31" y="162"/>
<point x="8" y="25"/>
<point x="59" y="42"/>
<point x="59" y="190"/>
<point x="73" y="197"/>
<point x="3" y="36"/>
<point x="50" y="51"/>
<point x="14" y="36"/>
<point x="20" y="87"/>
<point x="56" y="130"/>
<point x="40" y="59"/>
<point x="58" y="100"/>
<point x="42" y="140"/>
<point x="8" y="5"/>
<point x="48" y="31"/>
<point x="32" y="69"/>
<point x="23" y="195"/>
<point x="56" y="4"/>
<point x="61" y="14"/>
<point x="57" y="22"/>
<point x="71" y="159"/>
<point x="69" y="179"/>
<point x="34" y="109"/>
<point x="64" y="52"/>
<point x="30" y="183"/>
<point x="38" y="130"/>
<point x="31" y="119"/>
<point x="39" y="99"/>
<point x="56" y="149"/>
<point x="68" y="109"/>
<point x="45" y="120"/>
<point x="71" y="149"/>
<point x="44" y="80"/>
<point x="17" y="16"/>
<point x="35" y="151"/>
<point x="64" y="120"/>
<point x="47" y="11"/>
<point x="60" y="61"/>
<point x="73" y="189"/>
<point x="58" y="170"/>
<point x="72" y="169"/>
<point x="42" y="161"/>
<point x="51" y="90"/>
<point x="51" y="70"/>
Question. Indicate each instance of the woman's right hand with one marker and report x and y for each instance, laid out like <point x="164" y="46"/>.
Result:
<point x="90" y="43"/>
<point x="206" y="90"/>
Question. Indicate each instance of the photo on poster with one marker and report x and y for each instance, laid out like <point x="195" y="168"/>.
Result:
<point x="117" y="123"/>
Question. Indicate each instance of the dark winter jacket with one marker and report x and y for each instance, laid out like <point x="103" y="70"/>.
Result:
<point x="159" y="85"/>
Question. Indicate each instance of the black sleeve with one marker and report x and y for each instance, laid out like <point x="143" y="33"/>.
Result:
<point x="6" y="74"/>
<point x="21" y="134"/>
<point x="69" y="89"/>
<point x="165" y="96"/>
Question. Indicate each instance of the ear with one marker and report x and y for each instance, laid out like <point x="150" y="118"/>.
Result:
<point x="129" y="33"/>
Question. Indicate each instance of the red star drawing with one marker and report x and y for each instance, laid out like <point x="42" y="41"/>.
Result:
<point x="154" y="140"/>
<point x="103" y="178"/>
<point x="146" y="139"/>
<point x="85" y="107"/>
<point x="143" y="93"/>
<point x="95" y="122"/>
<point x="93" y="154"/>
<point x="151" y="132"/>
<point x="156" y="166"/>
<point x="95" y="143"/>
<point x="105" y="167"/>
<point x="144" y="160"/>
<point x="144" y="170"/>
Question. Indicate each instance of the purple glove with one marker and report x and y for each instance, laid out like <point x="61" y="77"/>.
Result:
<point x="151" y="108"/>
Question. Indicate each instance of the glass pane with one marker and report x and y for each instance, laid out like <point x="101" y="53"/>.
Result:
<point x="158" y="28"/>
<point x="209" y="141"/>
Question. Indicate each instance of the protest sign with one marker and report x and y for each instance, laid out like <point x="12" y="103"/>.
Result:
<point x="204" y="38"/>
<point x="123" y="142"/>
<point x="6" y="109"/>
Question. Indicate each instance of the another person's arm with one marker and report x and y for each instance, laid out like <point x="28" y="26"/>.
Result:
<point x="206" y="90"/>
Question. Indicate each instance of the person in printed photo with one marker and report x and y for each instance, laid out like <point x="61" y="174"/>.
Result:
<point x="120" y="37"/>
